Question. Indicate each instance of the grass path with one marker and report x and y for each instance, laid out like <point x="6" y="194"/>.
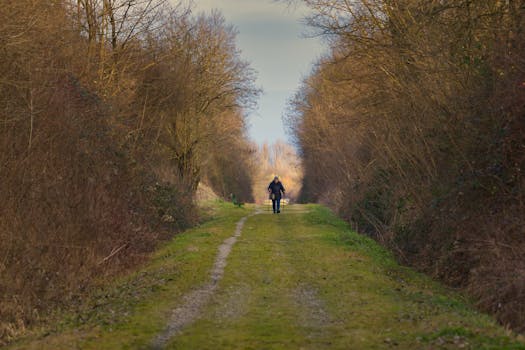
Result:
<point x="299" y="280"/>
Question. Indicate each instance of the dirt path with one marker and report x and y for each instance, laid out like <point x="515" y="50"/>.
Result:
<point x="299" y="280"/>
<point x="194" y="302"/>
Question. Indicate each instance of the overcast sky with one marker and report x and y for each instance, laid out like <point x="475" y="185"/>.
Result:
<point x="271" y="39"/>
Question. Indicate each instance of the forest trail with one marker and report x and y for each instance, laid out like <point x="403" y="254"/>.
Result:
<point x="248" y="279"/>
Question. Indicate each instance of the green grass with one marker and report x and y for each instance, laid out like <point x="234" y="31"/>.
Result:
<point x="300" y="280"/>
<point x="129" y="312"/>
<point x="359" y="297"/>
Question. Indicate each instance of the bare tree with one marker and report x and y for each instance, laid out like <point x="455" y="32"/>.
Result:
<point x="409" y="128"/>
<point x="111" y="112"/>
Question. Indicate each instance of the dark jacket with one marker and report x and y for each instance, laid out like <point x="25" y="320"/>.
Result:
<point x="276" y="188"/>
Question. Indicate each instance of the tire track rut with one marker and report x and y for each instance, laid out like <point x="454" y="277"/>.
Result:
<point x="193" y="302"/>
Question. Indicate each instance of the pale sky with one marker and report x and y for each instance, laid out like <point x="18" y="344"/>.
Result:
<point x="271" y="39"/>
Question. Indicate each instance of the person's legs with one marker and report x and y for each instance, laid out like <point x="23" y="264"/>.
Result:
<point x="279" y="205"/>
<point x="274" y="205"/>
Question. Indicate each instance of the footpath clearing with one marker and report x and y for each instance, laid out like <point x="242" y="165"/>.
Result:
<point x="248" y="279"/>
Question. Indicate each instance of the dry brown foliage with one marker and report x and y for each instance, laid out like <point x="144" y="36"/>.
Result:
<point x="413" y="129"/>
<point x="109" y="112"/>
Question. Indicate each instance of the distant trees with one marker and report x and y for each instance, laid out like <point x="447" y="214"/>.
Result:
<point x="277" y="159"/>
<point x="111" y="112"/>
<point x="231" y="168"/>
<point x="412" y="127"/>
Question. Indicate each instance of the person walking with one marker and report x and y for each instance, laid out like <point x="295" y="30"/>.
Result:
<point x="276" y="190"/>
